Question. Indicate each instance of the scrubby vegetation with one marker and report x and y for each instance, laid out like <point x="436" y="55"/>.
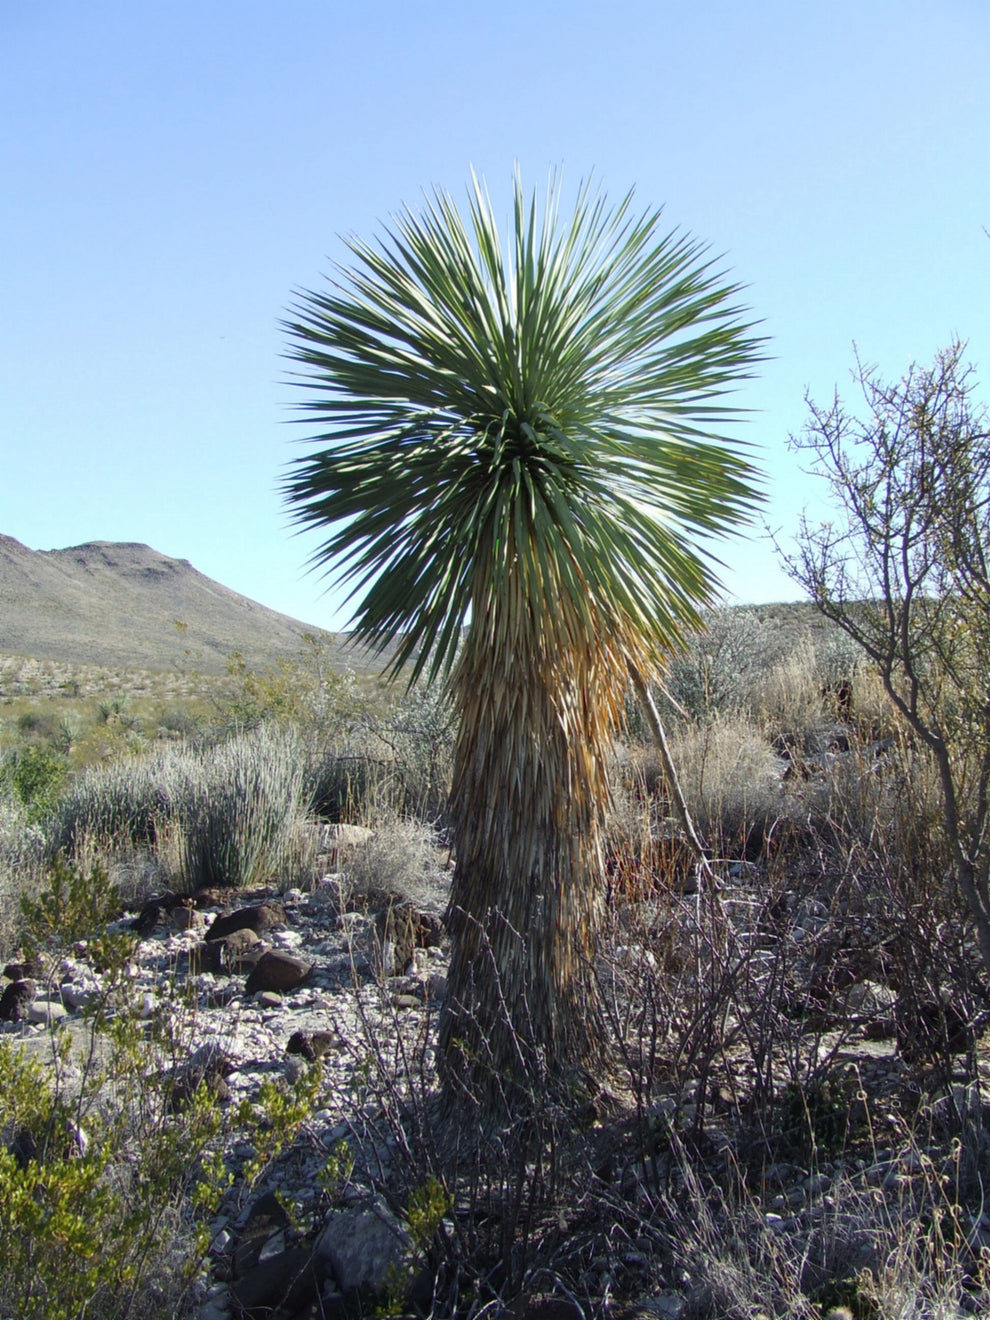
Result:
<point x="794" y="1114"/>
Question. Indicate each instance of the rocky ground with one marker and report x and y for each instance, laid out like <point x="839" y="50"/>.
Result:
<point x="272" y="985"/>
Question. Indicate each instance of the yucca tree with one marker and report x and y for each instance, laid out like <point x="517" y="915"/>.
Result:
<point x="517" y="461"/>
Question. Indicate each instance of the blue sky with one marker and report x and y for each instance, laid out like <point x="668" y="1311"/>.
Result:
<point x="171" y="171"/>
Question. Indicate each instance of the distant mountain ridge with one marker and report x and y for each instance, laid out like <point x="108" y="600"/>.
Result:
<point x="118" y="603"/>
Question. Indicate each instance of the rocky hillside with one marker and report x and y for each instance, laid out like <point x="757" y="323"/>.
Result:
<point x="125" y="604"/>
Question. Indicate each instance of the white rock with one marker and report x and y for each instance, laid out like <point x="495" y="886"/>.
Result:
<point x="45" y="1012"/>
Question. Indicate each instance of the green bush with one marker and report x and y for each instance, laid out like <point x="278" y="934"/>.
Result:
<point x="106" y="1185"/>
<point x="35" y="776"/>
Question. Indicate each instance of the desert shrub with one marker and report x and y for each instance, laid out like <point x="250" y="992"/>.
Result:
<point x="418" y="730"/>
<point x="388" y="758"/>
<point x="722" y="664"/>
<point x="731" y="778"/>
<point x="237" y="808"/>
<point x="403" y="856"/>
<point x="22" y="861"/>
<point x="789" y="701"/>
<point x="124" y="799"/>
<point x="107" y="1185"/>
<point x="304" y="691"/>
<point x="35" y="776"/>
<point x="227" y="810"/>
<point x="343" y="771"/>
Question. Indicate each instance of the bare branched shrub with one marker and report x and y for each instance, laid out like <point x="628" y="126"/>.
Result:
<point x="724" y="664"/>
<point x="389" y="760"/>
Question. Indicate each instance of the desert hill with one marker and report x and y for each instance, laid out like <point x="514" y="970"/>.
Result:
<point x="118" y="603"/>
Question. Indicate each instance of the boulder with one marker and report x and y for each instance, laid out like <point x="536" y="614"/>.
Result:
<point x="277" y="971"/>
<point x="401" y="929"/>
<point x="288" y="1280"/>
<point x="46" y="1011"/>
<point x="28" y="969"/>
<point x="259" y="918"/>
<point x="266" y="1218"/>
<point x="158" y="909"/>
<point x="363" y="1245"/>
<point x="311" y="1047"/>
<point x="16" y="999"/>
<point x="236" y="952"/>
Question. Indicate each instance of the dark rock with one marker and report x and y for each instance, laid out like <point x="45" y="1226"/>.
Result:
<point x="213" y="896"/>
<point x="260" y="918"/>
<point x="157" y="909"/>
<point x="209" y="1067"/>
<point x="401" y="929"/>
<point x="236" y="952"/>
<point x="266" y="1218"/>
<point x="289" y="1280"/>
<point x="24" y="1147"/>
<point x="277" y="971"/>
<point x="28" y="969"/>
<point x="311" y="1047"/>
<point x="16" y="999"/>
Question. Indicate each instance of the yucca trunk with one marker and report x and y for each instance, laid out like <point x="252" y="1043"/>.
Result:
<point x="530" y="788"/>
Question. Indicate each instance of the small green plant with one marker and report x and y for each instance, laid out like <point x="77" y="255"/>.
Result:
<point x="815" y="1119"/>
<point x="35" y="775"/>
<point x="336" y="1173"/>
<point x="107" y="1186"/>
<point x="275" y="1117"/>
<point x="428" y="1206"/>
<point x="75" y="904"/>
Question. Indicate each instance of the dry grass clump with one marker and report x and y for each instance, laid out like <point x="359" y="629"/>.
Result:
<point x="22" y="865"/>
<point x="731" y="777"/>
<point x="403" y="857"/>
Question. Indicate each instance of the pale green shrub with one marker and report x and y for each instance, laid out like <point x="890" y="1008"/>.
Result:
<point x="239" y="804"/>
<point x="125" y="799"/>
<point x="226" y="812"/>
<point x="404" y="857"/>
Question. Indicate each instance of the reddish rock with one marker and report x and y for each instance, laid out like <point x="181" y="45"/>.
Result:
<point x="277" y="971"/>
<point x="260" y="918"/>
